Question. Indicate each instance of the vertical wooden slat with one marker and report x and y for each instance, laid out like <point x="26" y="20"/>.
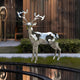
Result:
<point x="13" y="17"/>
<point x="74" y="21"/>
<point x="41" y="5"/>
<point x="67" y="25"/>
<point x="32" y="9"/>
<point x="42" y="10"/>
<point x="11" y="20"/>
<point x="52" y="15"/>
<point x="55" y="15"/>
<point x="59" y="16"/>
<point x="61" y="22"/>
<point x="68" y="19"/>
<point x="28" y="7"/>
<point x="0" y="28"/>
<point x="36" y="10"/>
<point x="39" y="12"/>
<point x="49" y="15"/>
<point x="24" y="8"/>
<point x="45" y="12"/>
<point x="78" y="18"/>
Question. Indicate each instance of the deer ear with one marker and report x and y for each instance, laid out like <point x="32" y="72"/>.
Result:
<point x="34" y="24"/>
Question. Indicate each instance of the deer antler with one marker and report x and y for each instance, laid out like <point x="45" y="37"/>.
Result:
<point x="38" y="17"/>
<point x="24" y="13"/>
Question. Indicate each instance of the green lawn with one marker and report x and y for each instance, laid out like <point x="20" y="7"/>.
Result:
<point x="65" y="61"/>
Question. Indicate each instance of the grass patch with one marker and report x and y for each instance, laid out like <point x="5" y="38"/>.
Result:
<point x="65" y="61"/>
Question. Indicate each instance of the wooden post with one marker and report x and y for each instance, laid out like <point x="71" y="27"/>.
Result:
<point x="0" y="28"/>
<point x="5" y="24"/>
<point x="1" y="19"/>
<point x="5" y="31"/>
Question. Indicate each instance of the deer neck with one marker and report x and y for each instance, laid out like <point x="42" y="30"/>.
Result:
<point x="30" y="30"/>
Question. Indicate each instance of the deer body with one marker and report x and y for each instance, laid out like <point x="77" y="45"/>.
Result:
<point x="38" y="38"/>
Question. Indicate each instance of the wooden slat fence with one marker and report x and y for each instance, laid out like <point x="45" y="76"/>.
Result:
<point x="62" y="16"/>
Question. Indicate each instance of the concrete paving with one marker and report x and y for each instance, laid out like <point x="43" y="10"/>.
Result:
<point x="27" y="55"/>
<point x="9" y="43"/>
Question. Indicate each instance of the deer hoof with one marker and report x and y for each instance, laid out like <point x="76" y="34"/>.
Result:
<point x="35" y="61"/>
<point x="31" y="60"/>
<point x="53" y="57"/>
<point x="58" y="59"/>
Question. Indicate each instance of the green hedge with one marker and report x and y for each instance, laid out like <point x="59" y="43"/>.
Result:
<point x="66" y="45"/>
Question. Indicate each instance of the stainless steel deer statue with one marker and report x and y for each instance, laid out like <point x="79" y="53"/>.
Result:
<point x="38" y="38"/>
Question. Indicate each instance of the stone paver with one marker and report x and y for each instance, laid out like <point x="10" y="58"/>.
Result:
<point x="27" y="55"/>
<point x="9" y="43"/>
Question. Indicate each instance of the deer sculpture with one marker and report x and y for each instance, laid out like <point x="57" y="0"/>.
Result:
<point x="57" y="76"/>
<point x="38" y="38"/>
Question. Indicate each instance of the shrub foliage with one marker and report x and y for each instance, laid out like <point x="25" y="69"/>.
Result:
<point x="66" y="45"/>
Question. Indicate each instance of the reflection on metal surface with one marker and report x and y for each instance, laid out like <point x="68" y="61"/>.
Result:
<point x="26" y="77"/>
<point x="53" y="74"/>
<point x="25" y="71"/>
<point x="3" y="75"/>
<point x="57" y="76"/>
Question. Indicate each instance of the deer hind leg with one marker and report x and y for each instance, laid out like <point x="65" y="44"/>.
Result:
<point x="55" y="54"/>
<point x="55" y="46"/>
<point x="59" y="49"/>
<point x="33" y="53"/>
<point x="36" y="58"/>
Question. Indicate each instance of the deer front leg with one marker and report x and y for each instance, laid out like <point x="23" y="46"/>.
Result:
<point x="33" y="53"/>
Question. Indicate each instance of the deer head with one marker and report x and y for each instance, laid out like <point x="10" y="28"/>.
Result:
<point x="32" y="23"/>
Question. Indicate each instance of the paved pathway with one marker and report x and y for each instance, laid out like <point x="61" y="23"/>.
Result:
<point x="27" y="55"/>
<point x="9" y="43"/>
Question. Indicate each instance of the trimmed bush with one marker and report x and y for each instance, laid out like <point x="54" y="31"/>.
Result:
<point x="66" y="45"/>
<point x="70" y="45"/>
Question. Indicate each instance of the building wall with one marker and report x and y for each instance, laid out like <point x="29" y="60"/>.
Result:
<point x="11" y="20"/>
<point x="42" y="7"/>
<point x="66" y="13"/>
<point x="61" y="16"/>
